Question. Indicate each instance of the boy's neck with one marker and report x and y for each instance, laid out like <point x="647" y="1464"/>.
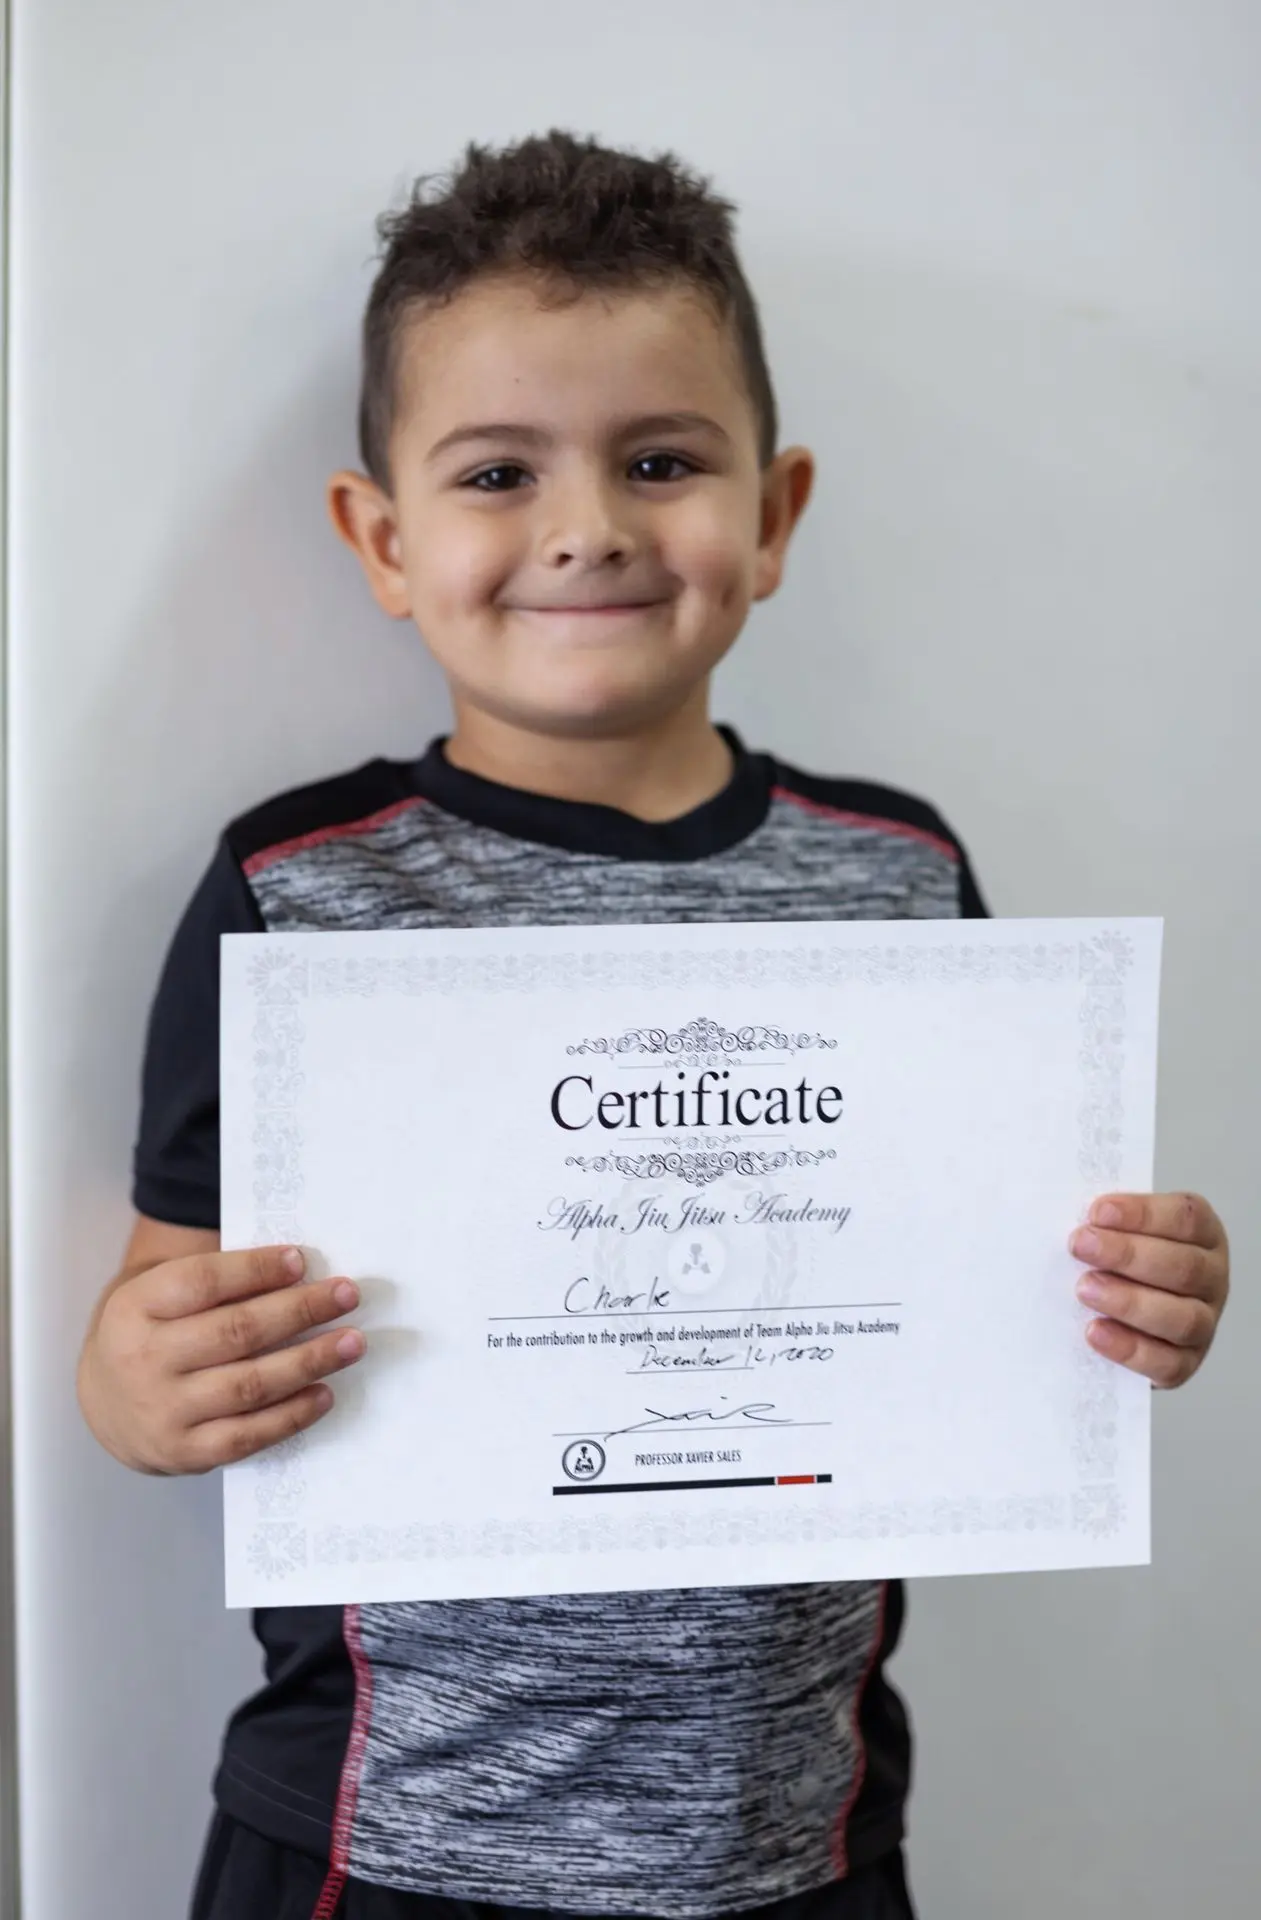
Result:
<point x="660" y="772"/>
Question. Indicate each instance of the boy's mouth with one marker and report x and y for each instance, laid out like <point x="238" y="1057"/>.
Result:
<point x="578" y="619"/>
<point x="601" y="607"/>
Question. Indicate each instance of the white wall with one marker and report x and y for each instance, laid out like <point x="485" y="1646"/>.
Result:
<point x="1007" y="257"/>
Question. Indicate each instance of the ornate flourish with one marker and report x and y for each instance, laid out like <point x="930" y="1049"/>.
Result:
<point x="1103" y="965"/>
<point x="1099" y="1511"/>
<point x="649" y="1532"/>
<point x="702" y="968"/>
<point x="700" y="1040"/>
<point x="277" y="1548"/>
<point x="281" y="980"/>
<point x="698" y="1166"/>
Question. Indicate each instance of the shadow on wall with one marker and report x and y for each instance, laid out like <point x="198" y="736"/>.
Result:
<point x="1025" y="509"/>
<point x="259" y="662"/>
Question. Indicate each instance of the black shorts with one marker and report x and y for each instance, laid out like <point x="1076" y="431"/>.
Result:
<point x="244" y="1877"/>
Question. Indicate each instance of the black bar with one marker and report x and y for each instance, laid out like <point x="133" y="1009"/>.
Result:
<point x="665" y="1486"/>
<point x="683" y="1486"/>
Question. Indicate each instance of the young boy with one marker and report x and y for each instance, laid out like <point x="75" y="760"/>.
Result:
<point x="573" y="489"/>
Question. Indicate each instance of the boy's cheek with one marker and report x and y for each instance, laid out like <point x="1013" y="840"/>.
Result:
<point x="458" y="561"/>
<point x="708" y="543"/>
<point x="460" y="598"/>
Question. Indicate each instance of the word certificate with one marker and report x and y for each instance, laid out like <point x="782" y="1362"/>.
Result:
<point x="692" y="1255"/>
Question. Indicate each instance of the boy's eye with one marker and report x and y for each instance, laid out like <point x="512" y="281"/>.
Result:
<point x="663" y="459"/>
<point x="492" y="479"/>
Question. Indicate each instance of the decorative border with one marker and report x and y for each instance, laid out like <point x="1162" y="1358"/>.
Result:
<point x="281" y="1544"/>
<point x="280" y="984"/>
<point x="693" y="967"/>
<point x="280" y="1547"/>
<point x="1103" y="964"/>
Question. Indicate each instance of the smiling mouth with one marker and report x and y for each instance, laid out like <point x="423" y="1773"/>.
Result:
<point x="602" y="613"/>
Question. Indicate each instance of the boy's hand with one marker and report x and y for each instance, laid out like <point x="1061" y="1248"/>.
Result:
<point x="1160" y="1273"/>
<point x="180" y="1371"/>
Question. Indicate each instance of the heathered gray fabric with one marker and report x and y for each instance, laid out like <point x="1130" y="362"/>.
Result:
<point x="426" y="868"/>
<point x="679" y="1754"/>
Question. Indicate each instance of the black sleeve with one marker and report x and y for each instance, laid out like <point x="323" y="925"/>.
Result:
<point x="971" y="904"/>
<point x="176" y="1165"/>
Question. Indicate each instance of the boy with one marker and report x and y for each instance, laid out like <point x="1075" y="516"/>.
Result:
<point x="572" y="488"/>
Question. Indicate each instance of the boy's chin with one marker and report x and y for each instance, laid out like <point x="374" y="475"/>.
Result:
<point x="599" y="711"/>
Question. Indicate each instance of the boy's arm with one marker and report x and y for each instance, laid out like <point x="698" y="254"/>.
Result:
<point x="152" y="1242"/>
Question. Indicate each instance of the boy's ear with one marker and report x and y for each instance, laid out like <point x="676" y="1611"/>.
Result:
<point x="363" y="515"/>
<point x="786" y="487"/>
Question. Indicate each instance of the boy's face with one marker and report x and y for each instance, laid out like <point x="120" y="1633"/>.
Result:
<point x="578" y="523"/>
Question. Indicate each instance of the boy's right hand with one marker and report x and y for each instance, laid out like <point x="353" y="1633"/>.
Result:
<point x="186" y="1365"/>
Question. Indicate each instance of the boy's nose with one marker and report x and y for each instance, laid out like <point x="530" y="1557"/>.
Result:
<point x="588" y="530"/>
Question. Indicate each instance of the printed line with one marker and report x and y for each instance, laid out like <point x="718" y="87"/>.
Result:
<point x="714" y="1312"/>
<point x="695" y="1486"/>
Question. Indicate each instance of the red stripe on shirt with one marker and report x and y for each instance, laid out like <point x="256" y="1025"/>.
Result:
<point x="304" y="841"/>
<point x="840" y="1833"/>
<point x="874" y="821"/>
<point x="352" y="1768"/>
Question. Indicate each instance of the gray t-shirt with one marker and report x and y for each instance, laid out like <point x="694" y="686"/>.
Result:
<point x="678" y="1753"/>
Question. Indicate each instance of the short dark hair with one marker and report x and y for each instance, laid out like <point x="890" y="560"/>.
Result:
<point x="580" y="214"/>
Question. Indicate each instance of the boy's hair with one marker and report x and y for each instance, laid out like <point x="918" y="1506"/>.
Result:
<point x="579" y="214"/>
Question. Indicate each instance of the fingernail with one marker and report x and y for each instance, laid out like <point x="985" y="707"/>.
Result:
<point x="351" y="1345"/>
<point x="295" y="1261"/>
<point x="1087" y="1245"/>
<point x="346" y="1294"/>
<point x="1090" y="1289"/>
<point x="323" y="1398"/>
<point x="1106" y="1214"/>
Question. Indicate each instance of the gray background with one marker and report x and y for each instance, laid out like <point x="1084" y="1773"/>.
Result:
<point x="1007" y="259"/>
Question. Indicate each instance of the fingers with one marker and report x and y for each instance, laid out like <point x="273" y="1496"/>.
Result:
<point x="221" y="1394"/>
<point x="246" y="1327"/>
<point x="1165" y="1216"/>
<point x="201" y="1360"/>
<point x="1169" y="1318"/>
<point x="1156" y="1360"/>
<point x="200" y="1282"/>
<point x="1161" y="1276"/>
<point x="1177" y="1266"/>
<point x="220" y="1443"/>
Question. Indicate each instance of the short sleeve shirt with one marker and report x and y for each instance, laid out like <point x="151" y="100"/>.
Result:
<point x="677" y="1753"/>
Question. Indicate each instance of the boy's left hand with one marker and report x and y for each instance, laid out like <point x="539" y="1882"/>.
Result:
<point x="1160" y="1272"/>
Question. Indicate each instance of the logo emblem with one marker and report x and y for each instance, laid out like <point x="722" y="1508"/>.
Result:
<point x="696" y="1261"/>
<point x="584" y="1460"/>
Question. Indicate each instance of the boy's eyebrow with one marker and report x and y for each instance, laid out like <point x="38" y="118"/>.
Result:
<point x="526" y="436"/>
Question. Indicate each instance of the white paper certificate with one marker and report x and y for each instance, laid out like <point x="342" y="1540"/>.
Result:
<point x="693" y="1255"/>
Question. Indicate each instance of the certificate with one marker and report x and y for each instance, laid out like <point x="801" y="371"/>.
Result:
<point x="692" y="1255"/>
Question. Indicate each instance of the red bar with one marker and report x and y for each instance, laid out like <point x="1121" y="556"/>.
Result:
<point x="795" y="1480"/>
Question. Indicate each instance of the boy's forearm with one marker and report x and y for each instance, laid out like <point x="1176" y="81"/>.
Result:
<point x="151" y="1244"/>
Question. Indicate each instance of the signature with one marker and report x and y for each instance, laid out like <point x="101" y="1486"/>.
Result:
<point x="757" y="1412"/>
